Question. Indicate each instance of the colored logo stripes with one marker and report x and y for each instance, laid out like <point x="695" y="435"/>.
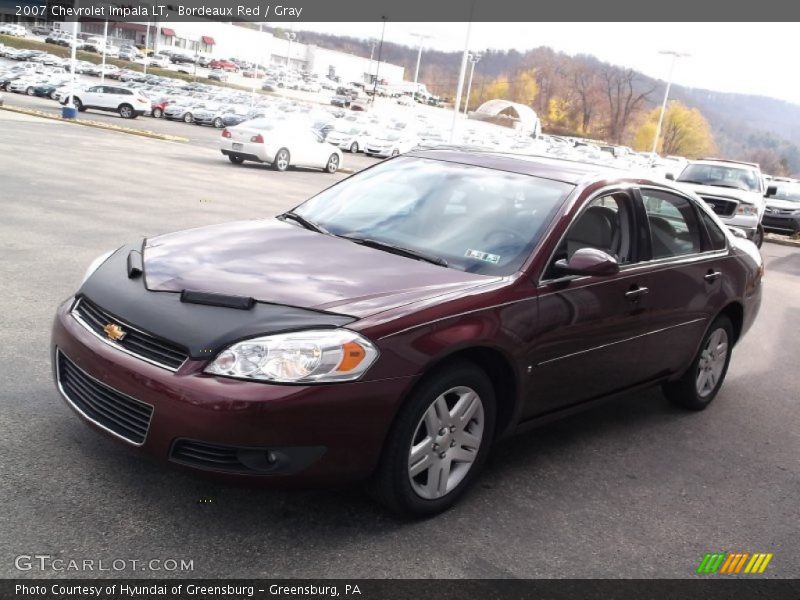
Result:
<point x="734" y="563"/>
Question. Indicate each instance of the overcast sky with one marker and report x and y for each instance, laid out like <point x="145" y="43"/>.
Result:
<point x="754" y="58"/>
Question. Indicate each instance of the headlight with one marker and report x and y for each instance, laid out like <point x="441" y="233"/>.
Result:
<point x="95" y="264"/>
<point x="747" y="209"/>
<point x="299" y="357"/>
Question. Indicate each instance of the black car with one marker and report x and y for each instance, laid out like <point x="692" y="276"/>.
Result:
<point x="43" y="90"/>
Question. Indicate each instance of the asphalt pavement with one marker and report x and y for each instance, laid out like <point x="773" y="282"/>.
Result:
<point x="636" y="488"/>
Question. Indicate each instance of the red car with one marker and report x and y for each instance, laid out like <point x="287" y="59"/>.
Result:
<point x="395" y="325"/>
<point x="223" y="64"/>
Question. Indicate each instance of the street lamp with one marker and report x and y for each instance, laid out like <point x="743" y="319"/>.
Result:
<point x="421" y="37"/>
<point x="378" y="67"/>
<point x="675" y="56"/>
<point x="461" y="73"/>
<point x="473" y="59"/>
<point x="290" y="36"/>
<point x="105" y="45"/>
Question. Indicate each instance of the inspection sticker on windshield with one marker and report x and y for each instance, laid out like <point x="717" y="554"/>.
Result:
<point x="484" y="256"/>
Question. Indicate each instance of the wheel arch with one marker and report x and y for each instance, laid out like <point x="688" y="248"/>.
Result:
<point x="498" y="366"/>
<point x="735" y="312"/>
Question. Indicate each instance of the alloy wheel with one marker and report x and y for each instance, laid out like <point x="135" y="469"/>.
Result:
<point x="333" y="164"/>
<point x="712" y="362"/>
<point x="446" y="442"/>
<point x="282" y="160"/>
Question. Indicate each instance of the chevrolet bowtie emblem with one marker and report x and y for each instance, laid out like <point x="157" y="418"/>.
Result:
<point x="114" y="332"/>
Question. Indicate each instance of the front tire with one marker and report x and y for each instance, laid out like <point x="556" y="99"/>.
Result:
<point x="333" y="164"/>
<point x="29" y="91"/>
<point x="218" y="123"/>
<point x="703" y="379"/>
<point x="281" y="162"/>
<point x="354" y="147"/>
<point x="758" y="238"/>
<point x="188" y="118"/>
<point x="438" y="442"/>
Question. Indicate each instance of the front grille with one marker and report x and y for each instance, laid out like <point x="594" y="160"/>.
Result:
<point x="143" y="345"/>
<point x="722" y="206"/>
<point x="122" y="415"/>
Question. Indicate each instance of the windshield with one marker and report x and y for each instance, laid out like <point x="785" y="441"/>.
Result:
<point x="790" y="192"/>
<point x="478" y="220"/>
<point x="722" y="176"/>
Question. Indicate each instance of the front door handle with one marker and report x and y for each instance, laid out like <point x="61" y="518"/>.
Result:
<point x="636" y="292"/>
<point x="712" y="276"/>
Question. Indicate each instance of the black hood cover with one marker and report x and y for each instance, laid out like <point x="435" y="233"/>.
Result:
<point x="203" y="330"/>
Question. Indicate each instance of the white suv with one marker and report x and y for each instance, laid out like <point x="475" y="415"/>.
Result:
<point x="127" y="102"/>
<point x="736" y="191"/>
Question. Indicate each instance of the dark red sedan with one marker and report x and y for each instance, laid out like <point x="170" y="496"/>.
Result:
<point x="395" y="325"/>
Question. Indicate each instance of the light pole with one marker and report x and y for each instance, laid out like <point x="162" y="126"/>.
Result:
<point x="461" y="73"/>
<point x="675" y="56"/>
<point x="372" y="43"/>
<point x="105" y="45"/>
<point x="146" y="47"/>
<point x="290" y="37"/>
<point x="473" y="58"/>
<point x="255" y="73"/>
<point x="421" y="39"/>
<point x="378" y="67"/>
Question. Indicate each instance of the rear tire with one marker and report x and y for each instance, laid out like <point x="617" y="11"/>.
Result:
<point x="218" y="123"/>
<point x="281" y="162"/>
<point x="237" y="160"/>
<point x="29" y="91"/>
<point x="188" y="118"/>
<point x="431" y="437"/>
<point x="354" y="147"/>
<point x="126" y="111"/>
<point x="701" y="382"/>
<point x="157" y="113"/>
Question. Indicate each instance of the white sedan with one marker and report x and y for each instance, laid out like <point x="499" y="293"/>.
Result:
<point x="349" y="137"/>
<point x="279" y="144"/>
<point x="391" y="144"/>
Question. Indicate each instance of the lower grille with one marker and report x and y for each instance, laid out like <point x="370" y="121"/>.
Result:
<point x="119" y="414"/>
<point x="143" y="345"/>
<point x="208" y="456"/>
<point x="245" y="460"/>
<point x="722" y="206"/>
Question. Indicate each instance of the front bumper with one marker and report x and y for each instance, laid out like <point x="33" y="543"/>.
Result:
<point x="781" y="223"/>
<point x="334" y="433"/>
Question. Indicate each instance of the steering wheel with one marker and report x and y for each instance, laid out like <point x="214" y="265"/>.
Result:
<point x="504" y="236"/>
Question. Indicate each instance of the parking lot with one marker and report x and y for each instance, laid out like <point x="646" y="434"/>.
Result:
<point x="636" y="489"/>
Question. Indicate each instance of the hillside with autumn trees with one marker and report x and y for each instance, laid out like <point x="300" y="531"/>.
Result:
<point x="581" y="95"/>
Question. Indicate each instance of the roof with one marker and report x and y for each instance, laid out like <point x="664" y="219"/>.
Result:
<point x="727" y="161"/>
<point x="559" y="169"/>
<point x="525" y="114"/>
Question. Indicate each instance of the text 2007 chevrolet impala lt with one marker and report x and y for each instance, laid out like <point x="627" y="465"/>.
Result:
<point x="392" y="327"/>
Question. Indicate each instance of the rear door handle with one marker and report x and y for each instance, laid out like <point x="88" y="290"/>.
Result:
<point x="636" y="292"/>
<point x="712" y="276"/>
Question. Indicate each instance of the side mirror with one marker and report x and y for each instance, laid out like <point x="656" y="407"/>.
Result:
<point x="771" y="191"/>
<point x="670" y="176"/>
<point x="589" y="261"/>
<point x="739" y="233"/>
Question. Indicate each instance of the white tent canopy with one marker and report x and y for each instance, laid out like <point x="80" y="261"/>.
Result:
<point x="525" y="117"/>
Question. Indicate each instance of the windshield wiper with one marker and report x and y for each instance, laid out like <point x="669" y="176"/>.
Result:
<point x="399" y="250"/>
<point x="300" y="219"/>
